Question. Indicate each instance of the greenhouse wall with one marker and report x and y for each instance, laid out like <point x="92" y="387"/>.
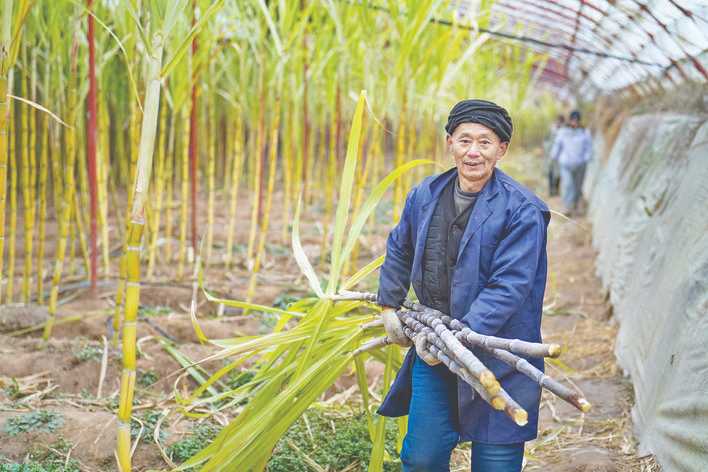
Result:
<point x="648" y="202"/>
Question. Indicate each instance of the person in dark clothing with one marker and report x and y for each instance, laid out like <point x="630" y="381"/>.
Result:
<point x="552" y="167"/>
<point x="472" y="242"/>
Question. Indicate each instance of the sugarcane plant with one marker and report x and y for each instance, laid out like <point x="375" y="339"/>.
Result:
<point x="310" y="355"/>
<point x="154" y="45"/>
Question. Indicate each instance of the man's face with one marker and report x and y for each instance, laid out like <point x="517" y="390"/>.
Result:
<point x="574" y="123"/>
<point x="476" y="150"/>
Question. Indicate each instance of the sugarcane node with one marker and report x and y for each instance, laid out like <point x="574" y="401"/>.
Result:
<point x="494" y="388"/>
<point x="498" y="403"/>
<point x="487" y="378"/>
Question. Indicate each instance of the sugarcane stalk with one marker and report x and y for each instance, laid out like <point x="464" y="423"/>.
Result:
<point x="461" y="353"/>
<point x="211" y="172"/>
<point x="169" y="186"/>
<point x="517" y="346"/>
<point x="181" y="255"/>
<point x="5" y="142"/>
<point x="12" y="233"/>
<point x="492" y="388"/>
<point x="194" y="135"/>
<point x="91" y="148"/>
<point x="288" y="168"/>
<point x="27" y="185"/>
<point x="133" y="250"/>
<point x="103" y="167"/>
<point x="159" y="181"/>
<point x="525" y="367"/>
<point x="373" y="344"/>
<point x="260" y="250"/>
<point x="499" y="399"/>
<point x="257" y="176"/>
<point x="80" y="230"/>
<point x="68" y="200"/>
<point x="233" y="190"/>
<point x="43" y="124"/>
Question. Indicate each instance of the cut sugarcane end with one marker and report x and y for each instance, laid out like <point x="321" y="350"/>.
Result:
<point x="488" y="379"/>
<point x="584" y="405"/>
<point x="520" y="416"/>
<point x="554" y="350"/>
<point x="498" y="403"/>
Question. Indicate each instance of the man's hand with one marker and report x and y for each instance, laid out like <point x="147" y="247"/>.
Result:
<point x="394" y="328"/>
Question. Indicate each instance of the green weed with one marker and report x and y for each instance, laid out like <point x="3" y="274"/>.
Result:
<point x="40" y="420"/>
<point x="333" y="440"/>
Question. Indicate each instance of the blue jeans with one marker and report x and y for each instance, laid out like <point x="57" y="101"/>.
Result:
<point x="571" y="179"/>
<point x="433" y="428"/>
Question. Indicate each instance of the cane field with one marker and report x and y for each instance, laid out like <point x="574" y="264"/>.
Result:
<point x="191" y="188"/>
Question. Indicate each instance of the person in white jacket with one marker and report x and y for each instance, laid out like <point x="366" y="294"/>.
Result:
<point x="572" y="149"/>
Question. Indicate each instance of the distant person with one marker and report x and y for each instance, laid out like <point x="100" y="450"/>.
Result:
<point x="572" y="149"/>
<point x="552" y="169"/>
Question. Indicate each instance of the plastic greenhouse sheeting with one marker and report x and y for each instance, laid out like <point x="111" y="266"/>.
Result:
<point x="649" y="208"/>
<point x="606" y="45"/>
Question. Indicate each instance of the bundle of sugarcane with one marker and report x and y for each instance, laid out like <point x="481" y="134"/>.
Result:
<point x="439" y="338"/>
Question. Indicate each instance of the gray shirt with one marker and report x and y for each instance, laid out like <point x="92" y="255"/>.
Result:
<point x="463" y="199"/>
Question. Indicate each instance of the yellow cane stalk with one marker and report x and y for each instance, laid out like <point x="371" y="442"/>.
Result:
<point x="13" y="212"/>
<point x="102" y="184"/>
<point x="43" y="123"/>
<point x="269" y="199"/>
<point x="66" y="210"/>
<point x="184" y="210"/>
<point x="257" y="190"/>
<point x="5" y="38"/>
<point x="27" y="185"/>
<point x="159" y="182"/>
<point x="168" y="185"/>
<point x="211" y="176"/>
<point x="235" y="180"/>
<point x="133" y="249"/>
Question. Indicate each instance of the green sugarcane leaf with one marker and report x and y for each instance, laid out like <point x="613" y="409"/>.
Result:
<point x="249" y="306"/>
<point x="187" y="41"/>
<point x="368" y="207"/>
<point x="246" y="441"/>
<point x="271" y="27"/>
<point x="363" y="383"/>
<point x="362" y="273"/>
<point x="301" y="258"/>
<point x="345" y="193"/>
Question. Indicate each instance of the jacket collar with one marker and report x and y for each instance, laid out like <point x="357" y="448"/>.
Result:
<point x="438" y="183"/>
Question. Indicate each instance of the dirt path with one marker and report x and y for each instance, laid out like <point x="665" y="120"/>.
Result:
<point x="578" y="316"/>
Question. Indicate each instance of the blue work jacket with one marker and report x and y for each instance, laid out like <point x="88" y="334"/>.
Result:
<point x="496" y="289"/>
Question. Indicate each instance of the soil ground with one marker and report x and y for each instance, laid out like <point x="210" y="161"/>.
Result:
<point x="64" y="374"/>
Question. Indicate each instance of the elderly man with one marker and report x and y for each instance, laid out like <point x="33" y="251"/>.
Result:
<point x="572" y="149"/>
<point x="472" y="241"/>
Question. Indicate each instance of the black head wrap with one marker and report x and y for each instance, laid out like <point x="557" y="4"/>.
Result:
<point x="483" y="112"/>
